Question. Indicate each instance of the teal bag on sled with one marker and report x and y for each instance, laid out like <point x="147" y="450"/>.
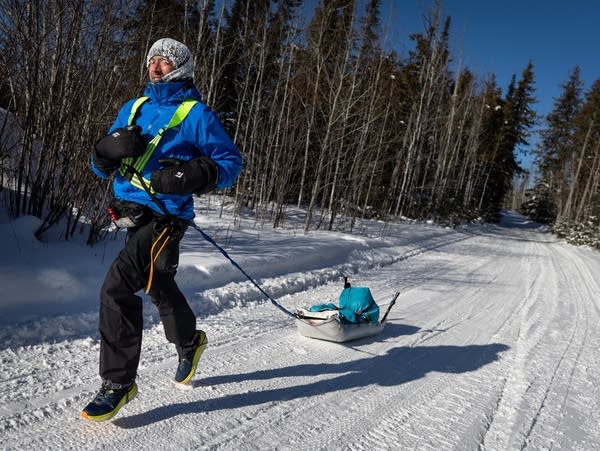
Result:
<point x="358" y="306"/>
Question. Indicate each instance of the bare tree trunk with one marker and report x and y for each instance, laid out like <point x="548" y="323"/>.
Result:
<point x="575" y="178"/>
<point x="592" y="180"/>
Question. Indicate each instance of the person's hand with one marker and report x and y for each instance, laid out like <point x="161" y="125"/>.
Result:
<point x="121" y="143"/>
<point x="196" y="176"/>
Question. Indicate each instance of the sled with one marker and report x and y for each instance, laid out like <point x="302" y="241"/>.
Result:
<point x="357" y="316"/>
<point x="332" y="329"/>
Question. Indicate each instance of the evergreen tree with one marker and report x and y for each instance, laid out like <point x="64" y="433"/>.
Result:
<point x="518" y="118"/>
<point x="559" y="140"/>
<point x="539" y="204"/>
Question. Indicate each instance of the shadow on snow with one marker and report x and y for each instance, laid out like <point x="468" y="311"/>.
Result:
<point x="398" y="366"/>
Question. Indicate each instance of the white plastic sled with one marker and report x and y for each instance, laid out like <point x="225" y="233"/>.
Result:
<point x="327" y="325"/>
<point x="331" y="329"/>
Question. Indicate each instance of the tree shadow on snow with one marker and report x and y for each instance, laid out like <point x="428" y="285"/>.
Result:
<point x="398" y="366"/>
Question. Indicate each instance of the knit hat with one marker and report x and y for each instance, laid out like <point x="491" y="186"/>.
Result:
<point x="179" y="56"/>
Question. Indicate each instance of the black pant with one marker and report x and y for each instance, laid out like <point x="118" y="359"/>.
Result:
<point x="121" y="320"/>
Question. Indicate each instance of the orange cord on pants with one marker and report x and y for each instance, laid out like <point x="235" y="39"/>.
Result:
<point x="154" y="257"/>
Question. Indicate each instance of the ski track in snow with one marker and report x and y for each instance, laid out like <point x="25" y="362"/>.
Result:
<point x="493" y="344"/>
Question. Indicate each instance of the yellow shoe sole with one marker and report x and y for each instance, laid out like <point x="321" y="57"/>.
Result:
<point x="196" y="358"/>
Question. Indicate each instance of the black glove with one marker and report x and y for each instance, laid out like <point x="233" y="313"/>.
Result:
<point x="103" y="164"/>
<point x="196" y="176"/>
<point x="122" y="143"/>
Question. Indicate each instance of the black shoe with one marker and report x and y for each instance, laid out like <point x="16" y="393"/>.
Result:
<point x="187" y="365"/>
<point x="108" y="401"/>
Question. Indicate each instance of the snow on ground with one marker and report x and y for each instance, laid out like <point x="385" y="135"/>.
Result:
<point x="493" y="344"/>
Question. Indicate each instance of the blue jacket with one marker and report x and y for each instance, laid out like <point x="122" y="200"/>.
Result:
<point x="200" y="133"/>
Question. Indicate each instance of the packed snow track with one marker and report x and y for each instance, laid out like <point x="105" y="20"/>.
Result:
<point x="493" y="344"/>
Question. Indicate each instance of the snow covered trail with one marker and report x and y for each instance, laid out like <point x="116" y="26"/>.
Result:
<point x="493" y="344"/>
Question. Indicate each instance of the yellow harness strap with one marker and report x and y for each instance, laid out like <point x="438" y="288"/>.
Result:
<point x="140" y="162"/>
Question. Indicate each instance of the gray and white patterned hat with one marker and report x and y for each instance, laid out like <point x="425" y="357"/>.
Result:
<point x="178" y="54"/>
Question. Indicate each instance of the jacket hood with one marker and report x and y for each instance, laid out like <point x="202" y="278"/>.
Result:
<point x="171" y="93"/>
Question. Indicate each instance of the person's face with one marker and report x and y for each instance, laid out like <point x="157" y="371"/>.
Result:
<point x="159" y="66"/>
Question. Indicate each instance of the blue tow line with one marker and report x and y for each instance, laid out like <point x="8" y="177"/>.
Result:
<point x="234" y="263"/>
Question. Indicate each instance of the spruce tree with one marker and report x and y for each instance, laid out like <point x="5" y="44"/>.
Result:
<point x="559" y="141"/>
<point x="519" y="117"/>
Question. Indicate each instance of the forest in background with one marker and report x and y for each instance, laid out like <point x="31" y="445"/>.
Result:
<point x="325" y="115"/>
